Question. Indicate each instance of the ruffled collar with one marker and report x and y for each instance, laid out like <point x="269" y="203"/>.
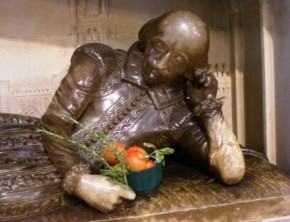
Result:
<point x="163" y="95"/>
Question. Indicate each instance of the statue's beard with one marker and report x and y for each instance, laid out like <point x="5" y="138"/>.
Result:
<point x="151" y="75"/>
<point x="151" y="78"/>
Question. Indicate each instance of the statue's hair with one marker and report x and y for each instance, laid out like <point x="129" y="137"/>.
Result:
<point x="150" y="29"/>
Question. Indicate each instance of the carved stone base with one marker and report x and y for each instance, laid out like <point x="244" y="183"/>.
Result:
<point x="188" y="194"/>
<point x="29" y="183"/>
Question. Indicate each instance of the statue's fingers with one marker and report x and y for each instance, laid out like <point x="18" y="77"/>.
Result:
<point x="203" y="78"/>
<point x="127" y="194"/>
<point x="207" y="81"/>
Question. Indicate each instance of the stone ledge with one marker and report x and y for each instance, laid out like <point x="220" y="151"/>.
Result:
<point x="188" y="194"/>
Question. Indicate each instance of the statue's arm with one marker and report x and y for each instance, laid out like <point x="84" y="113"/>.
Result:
<point x="73" y="96"/>
<point x="89" y="67"/>
<point x="210" y="140"/>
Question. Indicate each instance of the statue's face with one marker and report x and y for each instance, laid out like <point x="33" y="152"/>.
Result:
<point x="180" y="43"/>
<point x="164" y="61"/>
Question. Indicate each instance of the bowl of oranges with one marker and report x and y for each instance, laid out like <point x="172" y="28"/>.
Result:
<point x="145" y="181"/>
<point x="145" y="173"/>
<point x="144" y="168"/>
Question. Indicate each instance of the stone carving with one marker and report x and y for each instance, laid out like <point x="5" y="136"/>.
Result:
<point x="95" y="22"/>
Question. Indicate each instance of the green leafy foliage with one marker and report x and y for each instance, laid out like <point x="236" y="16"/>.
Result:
<point x="117" y="172"/>
<point x="158" y="154"/>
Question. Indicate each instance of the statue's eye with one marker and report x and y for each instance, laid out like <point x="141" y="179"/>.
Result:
<point x="178" y="60"/>
<point x="159" y="46"/>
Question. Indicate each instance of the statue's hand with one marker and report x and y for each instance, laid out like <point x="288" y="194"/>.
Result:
<point x="101" y="193"/>
<point x="202" y="86"/>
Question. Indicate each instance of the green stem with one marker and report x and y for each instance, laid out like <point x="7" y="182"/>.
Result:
<point x="118" y="174"/>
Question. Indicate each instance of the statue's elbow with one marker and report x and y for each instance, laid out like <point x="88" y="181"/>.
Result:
<point x="233" y="176"/>
<point x="228" y="165"/>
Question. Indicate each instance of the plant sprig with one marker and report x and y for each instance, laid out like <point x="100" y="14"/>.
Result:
<point x="117" y="172"/>
<point x="158" y="154"/>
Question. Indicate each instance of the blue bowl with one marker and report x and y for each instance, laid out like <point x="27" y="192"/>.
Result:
<point x="145" y="181"/>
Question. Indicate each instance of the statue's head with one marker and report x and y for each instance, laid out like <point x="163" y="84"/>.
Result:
<point x="174" y="43"/>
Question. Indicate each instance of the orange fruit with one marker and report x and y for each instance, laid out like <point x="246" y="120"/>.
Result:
<point x="110" y="154"/>
<point x="136" y="160"/>
<point x="150" y="164"/>
<point x="136" y="148"/>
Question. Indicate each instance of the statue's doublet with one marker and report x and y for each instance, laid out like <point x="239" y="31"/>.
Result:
<point x="127" y="110"/>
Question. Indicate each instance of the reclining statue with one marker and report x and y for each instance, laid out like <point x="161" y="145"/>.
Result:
<point x="160" y="91"/>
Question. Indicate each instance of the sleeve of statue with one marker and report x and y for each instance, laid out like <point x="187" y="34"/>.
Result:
<point x="90" y="64"/>
<point x="225" y="157"/>
<point x="210" y="140"/>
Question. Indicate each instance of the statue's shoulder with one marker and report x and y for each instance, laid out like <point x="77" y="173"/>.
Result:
<point x="98" y="47"/>
<point x="107" y="61"/>
<point x="103" y="54"/>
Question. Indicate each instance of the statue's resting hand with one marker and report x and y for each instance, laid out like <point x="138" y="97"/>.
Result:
<point x="101" y="193"/>
<point x="201" y="87"/>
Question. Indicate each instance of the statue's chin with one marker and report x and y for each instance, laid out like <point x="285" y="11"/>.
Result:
<point x="151" y="79"/>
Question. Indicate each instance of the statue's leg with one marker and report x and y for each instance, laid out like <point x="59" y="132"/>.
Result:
<point x="29" y="183"/>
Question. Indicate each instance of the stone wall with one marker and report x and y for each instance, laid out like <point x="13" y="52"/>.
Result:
<point x="37" y="39"/>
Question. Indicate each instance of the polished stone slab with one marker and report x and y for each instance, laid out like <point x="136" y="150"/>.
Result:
<point x="187" y="194"/>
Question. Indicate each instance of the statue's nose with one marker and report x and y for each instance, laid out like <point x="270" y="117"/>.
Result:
<point x="163" y="61"/>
